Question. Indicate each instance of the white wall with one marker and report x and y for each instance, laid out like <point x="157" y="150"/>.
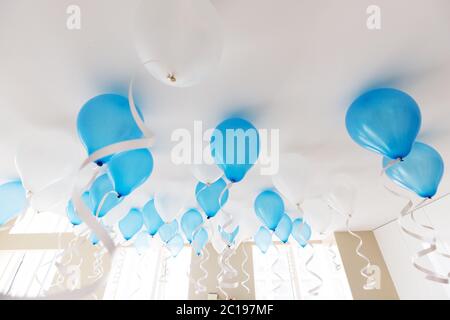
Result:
<point x="398" y="248"/>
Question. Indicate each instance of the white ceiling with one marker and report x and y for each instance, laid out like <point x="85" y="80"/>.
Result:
<point x="295" y="65"/>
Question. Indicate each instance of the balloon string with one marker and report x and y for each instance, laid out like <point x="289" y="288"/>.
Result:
<point x="139" y="276"/>
<point x="315" y="290"/>
<point x="370" y="283"/>
<point x="200" y="286"/>
<point x="134" y="112"/>
<point x="227" y="272"/>
<point x="275" y="272"/>
<point x="118" y="268"/>
<point x="333" y="255"/>
<point x="229" y="221"/>
<point x="98" y="265"/>
<point x="219" y="276"/>
<point x="244" y="271"/>
<point x="431" y="241"/>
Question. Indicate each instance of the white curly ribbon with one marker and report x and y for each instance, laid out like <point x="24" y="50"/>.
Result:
<point x="278" y="282"/>
<point x="315" y="290"/>
<point x="229" y="220"/>
<point x="244" y="271"/>
<point x="370" y="282"/>
<point x="98" y="265"/>
<point x="227" y="272"/>
<point x="199" y="284"/>
<point x="332" y="253"/>
<point x="431" y="241"/>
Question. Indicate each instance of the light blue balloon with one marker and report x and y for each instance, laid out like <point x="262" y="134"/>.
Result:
<point x="263" y="239"/>
<point x="229" y="237"/>
<point x="269" y="208"/>
<point x="385" y="121"/>
<point x="175" y="245"/>
<point x="200" y="240"/>
<point x="301" y="232"/>
<point x="190" y="222"/>
<point x="102" y="186"/>
<point x="131" y="224"/>
<point x="128" y="170"/>
<point x="235" y="147"/>
<point x="420" y="172"/>
<point x="168" y="230"/>
<point x="13" y="200"/>
<point x="208" y="197"/>
<point x="152" y="220"/>
<point x="94" y="239"/>
<point x="284" y="228"/>
<point x="72" y="214"/>
<point x="104" y="120"/>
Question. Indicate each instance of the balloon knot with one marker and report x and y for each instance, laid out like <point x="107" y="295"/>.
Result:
<point x="171" y="77"/>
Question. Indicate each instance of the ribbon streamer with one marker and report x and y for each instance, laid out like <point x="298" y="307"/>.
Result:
<point x="431" y="241"/>
<point x="275" y="272"/>
<point x="370" y="283"/>
<point x="315" y="290"/>
<point x="205" y="257"/>
<point x="409" y="209"/>
<point x="229" y="221"/>
<point x="227" y="272"/>
<point x="247" y="275"/>
<point x="333" y="255"/>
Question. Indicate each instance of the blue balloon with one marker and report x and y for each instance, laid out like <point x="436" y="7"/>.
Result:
<point x="190" y="222"/>
<point x="208" y="196"/>
<point x="263" y="239"/>
<point x="235" y="147"/>
<point x="94" y="239"/>
<point x="103" y="188"/>
<point x="128" y="170"/>
<point x="269" y="208"/>
<point x="385" y="121"/>
<point x="200" y="240"/>
<point x="175" y="245"/>
<point x="72" y="214"/>
<point x="131" y="224"/>
<point x="301" y="232"/>
<point x="168" y="230"/>
<point x="420" y="172"/>
<point x="105" y="120"/>
<point x="229" y="237"/>
<point x="13" y="200"/>
<point x="152" y="220"/>
<point x="284" y="228"/>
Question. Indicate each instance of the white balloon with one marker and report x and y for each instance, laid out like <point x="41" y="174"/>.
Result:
<point x="206" y="173"/>
<point x="170" y="201"/>
<point x="318" y="215"/>
<point x="342" y="194"/>
<point x="47" y="157"/>
<point x="54" y="196"/>
<point x="217" y="242"/>
<point x="293" y="177"/>
<point x="180" y="41"/>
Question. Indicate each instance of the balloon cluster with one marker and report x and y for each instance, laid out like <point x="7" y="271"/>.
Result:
<point x="387" y="121"/>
